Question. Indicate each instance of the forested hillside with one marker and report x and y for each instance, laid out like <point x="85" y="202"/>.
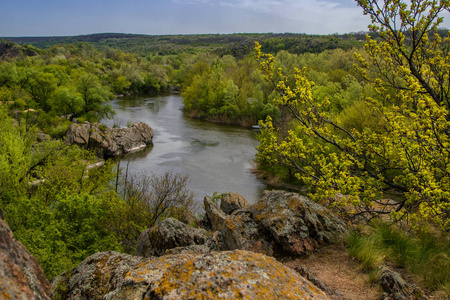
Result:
<point x="237" y="45"/>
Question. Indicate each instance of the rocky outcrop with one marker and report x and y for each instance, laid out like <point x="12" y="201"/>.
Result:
<point x="280" y="223"/>
<point x="218" y="275"/>
<point x="170" y="233"/>
<point x="110" y="142"/>
<point x="295" y="222"/>
<point x="231" y="202"/>
<point x="216" y="217"/>
<point x="21" y="276"/>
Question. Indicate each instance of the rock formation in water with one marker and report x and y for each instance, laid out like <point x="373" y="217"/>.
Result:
<point x="21" y="276"/>
<point x="110" y="142"/>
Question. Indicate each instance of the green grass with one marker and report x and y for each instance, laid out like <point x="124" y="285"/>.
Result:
<point x="424" y="254"/>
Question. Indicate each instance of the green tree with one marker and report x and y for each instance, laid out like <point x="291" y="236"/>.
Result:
<point x="42" y="86"/>
<point x="94" y="96"/>
<point x="408" y="160"/>
<point x="65" y="101"/>
<point x="8" y="74"/>
<point x="16" y="157"/>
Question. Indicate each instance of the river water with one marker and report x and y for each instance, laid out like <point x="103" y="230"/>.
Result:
<point x="217" y="158"/>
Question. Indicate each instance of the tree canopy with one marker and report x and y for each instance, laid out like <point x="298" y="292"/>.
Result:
<point x="404" y="153"/>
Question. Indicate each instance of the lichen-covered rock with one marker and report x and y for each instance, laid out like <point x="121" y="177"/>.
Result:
<point x="215" y="215"/>
<point x="231" y="202"/>
<point x="21" y="276"/>
<point x="96" y="277"/>
<point x="192" y="249"/>
<point x="170" y="233"/>
<point x="218" y="275"/>
<point x="280" y="222"/>
<point x="243" y="232"/>
<point x="110" y="141"/>
<point x="296" y="223"/>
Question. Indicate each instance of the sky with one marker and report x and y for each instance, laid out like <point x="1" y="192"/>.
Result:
<point x="159" y="17"/>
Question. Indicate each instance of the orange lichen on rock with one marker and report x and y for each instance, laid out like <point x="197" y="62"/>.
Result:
<point x="226" y="275"/>
<point x="234" y="274"/>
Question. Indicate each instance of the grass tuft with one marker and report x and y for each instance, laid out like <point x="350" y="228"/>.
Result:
<point x="422" y="253"/>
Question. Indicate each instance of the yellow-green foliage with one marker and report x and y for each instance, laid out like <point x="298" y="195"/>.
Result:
<point x="406" y="145"/>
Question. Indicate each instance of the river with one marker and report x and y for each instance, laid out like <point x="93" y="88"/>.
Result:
<point x="217" y="158"/>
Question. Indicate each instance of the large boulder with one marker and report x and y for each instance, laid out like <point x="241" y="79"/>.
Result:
<point x="170" y="233"/>
<point x="95" y="277"/>
<point x="230" y="202"/>
<point x="219" y="275"/>
<point x="110" y="142"/>
<point x="21" y="276"/>
<point x="295" y="222"/>
<point x="280" y="223"/>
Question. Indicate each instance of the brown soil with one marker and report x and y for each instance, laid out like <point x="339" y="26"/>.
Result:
<point x="337" y="270"/>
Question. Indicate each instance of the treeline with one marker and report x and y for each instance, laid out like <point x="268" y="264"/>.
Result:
<point x="237" y="45"/>
<point x="234" y="90"/>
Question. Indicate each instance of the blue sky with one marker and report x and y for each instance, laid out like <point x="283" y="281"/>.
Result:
<point x="76" y="17"/>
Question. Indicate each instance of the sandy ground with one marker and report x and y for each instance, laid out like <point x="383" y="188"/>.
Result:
<point x="337" y="270"/>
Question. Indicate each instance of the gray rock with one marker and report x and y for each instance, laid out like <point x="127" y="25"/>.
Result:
<point x="296" y="223"/>
<point x="224" y="275"/>
<point x="214" y="214"/>
<point x="170" y="233"/>
<point x="231" y="202"/>
<point x="396" y="288"/>
<point x="243" y="232"/>
<point x="280" y="222"/>
<point x="110" y="142"/>
<point x="96" y="276"/>
<point x="192" y="249"/>
<point x="21" y="276"/>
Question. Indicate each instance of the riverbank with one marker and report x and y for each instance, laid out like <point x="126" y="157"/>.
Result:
<point x="246" y="122"/>
<point x="275" y="181"/>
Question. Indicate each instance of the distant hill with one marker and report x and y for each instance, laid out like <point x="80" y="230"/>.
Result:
<point x="47" y="41"/>
<point x="237" y="44"/>
<point x="10" y="49"/>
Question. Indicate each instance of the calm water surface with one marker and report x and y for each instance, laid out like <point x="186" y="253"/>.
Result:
<point x="217" y="158"/>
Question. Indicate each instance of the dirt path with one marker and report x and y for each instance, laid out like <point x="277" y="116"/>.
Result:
<point x="337" y="270"/>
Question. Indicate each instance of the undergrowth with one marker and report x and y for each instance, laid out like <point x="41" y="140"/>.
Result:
<point x="421" y="253"/>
